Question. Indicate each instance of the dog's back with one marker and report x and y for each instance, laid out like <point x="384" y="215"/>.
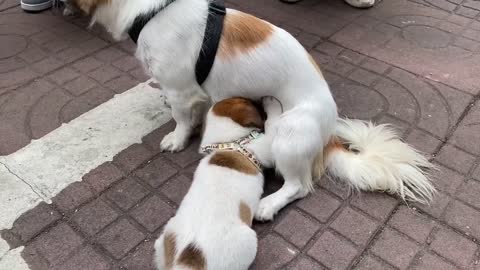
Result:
<point x="212" y="225"/>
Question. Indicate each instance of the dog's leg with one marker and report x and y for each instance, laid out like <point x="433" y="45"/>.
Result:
<point x="188" y="109"/>
<point x="295" y="144"/>
<point x="273" y="109"/>
<point x="269" y="206"/>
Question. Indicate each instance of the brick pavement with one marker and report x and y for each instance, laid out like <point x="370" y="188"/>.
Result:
<point x="410" y="63"/>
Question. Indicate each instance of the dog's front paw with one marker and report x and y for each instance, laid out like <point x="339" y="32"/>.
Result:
<point x="172" y="143"/>
<point x="271" y="106"/>
<point x="266" y="210"/>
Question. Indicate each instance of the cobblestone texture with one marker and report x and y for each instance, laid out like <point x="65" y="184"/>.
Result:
<point x="413" y="63"/>
<point x="51" y="71"/>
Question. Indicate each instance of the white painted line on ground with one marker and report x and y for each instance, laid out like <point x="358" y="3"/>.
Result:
<point x="43" y="168"/>
<point x="13" y="260"/>
<point x="15" y="197"/>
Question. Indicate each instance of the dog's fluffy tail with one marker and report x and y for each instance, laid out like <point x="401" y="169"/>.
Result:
<point x="373" y="158"/>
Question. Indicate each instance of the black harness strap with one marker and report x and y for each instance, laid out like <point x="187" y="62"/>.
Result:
<point x="142" y="20"/>
<point x="211" y="40"/>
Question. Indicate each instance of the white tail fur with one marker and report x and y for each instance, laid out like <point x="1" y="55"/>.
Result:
<point x="376" y="160"/>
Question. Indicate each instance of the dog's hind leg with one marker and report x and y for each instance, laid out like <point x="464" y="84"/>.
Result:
<point x="296" y="142"/>
<point x="188" y="109"/>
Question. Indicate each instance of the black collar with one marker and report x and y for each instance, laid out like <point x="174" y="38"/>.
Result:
<point x="142" y="20"/>
<point x="211" y="39"/>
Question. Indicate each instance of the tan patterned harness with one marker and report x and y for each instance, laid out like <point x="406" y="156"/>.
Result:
<point x="237" y="146"/>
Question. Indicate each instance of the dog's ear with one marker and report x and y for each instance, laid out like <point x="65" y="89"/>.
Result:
<point x="241" y="110"/>
<point x="88" y="6"/>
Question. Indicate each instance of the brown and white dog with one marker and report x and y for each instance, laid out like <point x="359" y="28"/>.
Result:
<point x="257" y="59"/>
<point x="211" y="229"/>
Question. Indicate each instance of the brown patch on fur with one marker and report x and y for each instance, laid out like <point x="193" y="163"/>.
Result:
<point x="88" y="6"/>
<point x="334" y="144"/>
<point x="245" y="213"/>
<point x="234" y="161"/>
<point x="192" y="257"/>
<point x="319" y="163"/>
<point x="314" y="63"/>
<point x="170" y="248"/>
<point x="240" y="110"/>
<point x="242" y="32"/>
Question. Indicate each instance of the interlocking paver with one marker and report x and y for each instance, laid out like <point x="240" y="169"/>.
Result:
<point x="423" y="141"/>
<point x="476" y="173"/>
<point x="89" y="100"/>
<point x="127" y="193"/>
<point x="103" y="176"/>
<point x="467" y="133"/>
<point x="468" y="193"/>
<point x="463" y="218"/>
<point x="187" y="156"/>
<point x="454" y="247"/>
<point x="320" y="205"/>
<point x="109" y="55"/>
<point x="48" y="45"/>
<point x="122" y="83"/>
<point x="273" y="253"/>
<point x="411" y="223"/>
<point x="64" y="75"/>
<point x="297" y="228"/>
<point x="34" y="221"/>
<point x="86" y="258"/>
<point x="156" y="172"/>
<point x="333" y="251"/>
<point x="120" y="238"/>
<point x="44" y="114"/>
<point x="430" y="261"/>
<point x="376" y="205"/>
<point x="176" y="188"/>
<point x="456" y="158"/>
<point x="133" y="156"/>
<point x="447" y="180"/>
<point x="104" y="74"/>
<point x="411" y="43"/>
<point x="438" y="206"/>
<point x="371" y="263"/>
<point x="305" y="264"/>
<point x="395" y="248"/>
<point x="72" y="196"/>
<point x="141" y="258"/>
<point x="87" y="64"/>
<point x="94" y="216"/>
<point x="413" y="63"/>
<point x="355" y="226"/>
<point x="80" y="85"/>
<point x="126" y="63"/>
<point x="57" y="244"/>
<point x="153" y="213"/>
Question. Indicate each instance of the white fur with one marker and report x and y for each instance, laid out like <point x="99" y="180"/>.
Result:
<point x="383" y="162"/>
<point x="209" y="214"/>
<point x="168" y="47"/>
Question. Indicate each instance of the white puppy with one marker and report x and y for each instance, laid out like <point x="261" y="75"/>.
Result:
<point x="211" y="229"/>
<point x="254" y="59"/>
